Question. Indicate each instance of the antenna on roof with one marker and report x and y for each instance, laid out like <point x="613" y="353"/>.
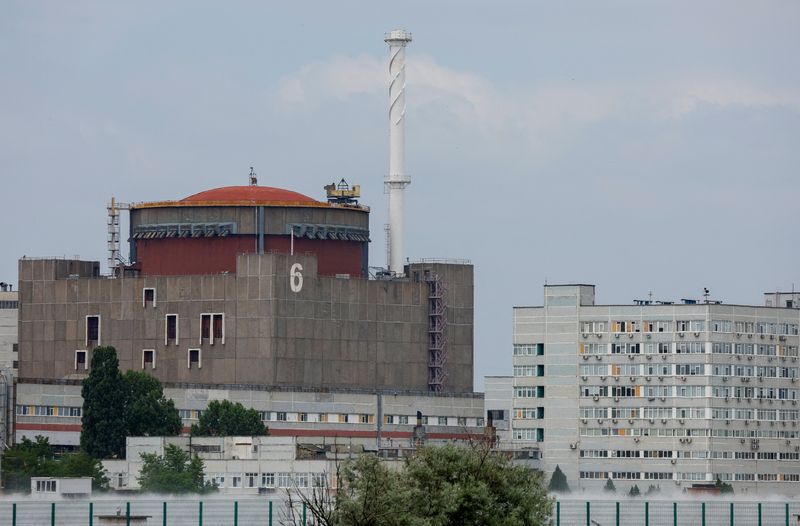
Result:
<point x="253" y="180"/>
<point x="706" y="293"/>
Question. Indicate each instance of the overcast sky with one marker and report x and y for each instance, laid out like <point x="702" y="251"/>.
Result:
<point x="639" y="146"/>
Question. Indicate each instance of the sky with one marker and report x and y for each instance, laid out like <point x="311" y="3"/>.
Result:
<point x="638" y="146"/>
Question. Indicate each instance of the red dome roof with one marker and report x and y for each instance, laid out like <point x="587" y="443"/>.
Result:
<point x="252" y="193"/>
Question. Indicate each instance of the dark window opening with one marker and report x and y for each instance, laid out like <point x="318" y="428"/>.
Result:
<point x="80" y="360"/>
<point x="194" y="358"/>
<point x="205" y="330"/>
<point x="150" y="297"/>
<point x="218" y="327"/>
<point x="148" y="358"/>
<point x="172" y="328"/>
<point x="93" y="329"/>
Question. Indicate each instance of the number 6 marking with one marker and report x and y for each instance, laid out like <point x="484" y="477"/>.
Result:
<point x="296" y="277"/>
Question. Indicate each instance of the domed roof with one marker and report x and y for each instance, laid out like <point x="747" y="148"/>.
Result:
<point x="251" y="193"/>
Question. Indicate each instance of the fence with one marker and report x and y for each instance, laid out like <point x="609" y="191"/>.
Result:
<point x="669" y="513"/>
<point x="175" y="512"/>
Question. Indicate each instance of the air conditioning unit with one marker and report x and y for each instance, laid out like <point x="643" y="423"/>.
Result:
<point x="636" y="439"/>
<point x="697" y="334"/>
<point x="583" y="420"/>
<point x="682" y="421"/>
<point x="747" y="422"/>
<point x="652" y="421"/>
<point x="782" y="338"/>
<point x="760" y="378"/>
<point x="683" y="378"/>
<point x="630" y="357"/>
<point x="724" y="378"/>
<point x="738" y="357"/>
<point x="688" y="440"/>
<point x="663" y="356"/>
<point x="681" y="335"/>
<point x="614" y="421"/>
<point x="598" y="357"/>
<point x="633" y="378"/>
<point x="616" y="378"/>
<point x="727" y="398"/>
<point x="572" y="445"/>
<point x="585" y="357"/>
<point x="616" y="399"/>
<point x="681" y="440"/>
<point x="727" y="422"/>
<point x="595" y="398"/>
<point x="602" y="378"/>
<point x="749" y="357"/>
<point x="663" y="420"/>
<point x="585" y="335"/>
<point x="647" y="378"/>
<point x="738" y="334"/>
<point x="661" y="378"/>
<point x="630" y="335"/>
<point x="649" y="357"/>
<point x="630" y="420"/>
<point x="672" y="461"/>
<point x="599" y="420"/>
<point x="599" y="335"/>
<point x="583" y="378"/>
<point x="649" y="336"/>
<point x="651" y="398"/>
<point x="663" y="399"/>
<point x="794" y="380"/>
<point x="741" y="440"/>
<point x="616" y="336"/>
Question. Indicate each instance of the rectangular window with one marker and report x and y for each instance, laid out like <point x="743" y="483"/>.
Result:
<point x="442" y="420"/>
<point x="93" y="330"/>
<point x="212" y="328"/>
<point x="281" y="416"/>
<point x="303" y="417"/>
<point x="195" y="359"/>
<point x="251" y="479"/>
<point x="268" y="480"/>
<point x="403" y="419"/>
<point x="364" y="418"/>
<point x="148" y="359"/>
<point x="80" y="360"/>
<point x="148" y="297"/>
<point x="171" y="334"/>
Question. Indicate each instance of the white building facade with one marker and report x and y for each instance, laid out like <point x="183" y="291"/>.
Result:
<point x="658" y="393"/>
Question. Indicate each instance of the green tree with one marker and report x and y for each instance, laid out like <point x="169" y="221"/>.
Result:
<point x="147" y="411"/>
<point x="103" y="421"/>
<point x="26" y="459"/>
<point x="652" y="490"/>
<point x="724" y="487"/>
<point x="174" y="472"/>
<point x="558" y="482"/>
<point x="473" y="486"/>
<point x="31" y="458"/>
<point x="225" y="418"/>
<point x="634" y="492"/>
<point x="116" y="406"/>
<point x="609" y="487"/>
<point x="468" y="486"/>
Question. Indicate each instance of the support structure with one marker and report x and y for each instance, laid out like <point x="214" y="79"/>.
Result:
<point x="437" y="337"/>
<point x="397" y="180"/>
<point x="113" y="232"/>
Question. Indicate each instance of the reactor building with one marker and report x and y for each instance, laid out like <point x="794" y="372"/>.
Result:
<point x="264" y="296"/>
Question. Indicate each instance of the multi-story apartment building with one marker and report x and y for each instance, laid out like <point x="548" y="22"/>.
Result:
<point x="658" y="393"/>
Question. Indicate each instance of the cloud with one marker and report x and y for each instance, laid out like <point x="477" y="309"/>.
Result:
<point x="538" y="119"/>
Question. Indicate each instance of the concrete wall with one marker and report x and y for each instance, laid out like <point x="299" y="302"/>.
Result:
<point x="8" y="329"/>
<point x="334" y="333"/>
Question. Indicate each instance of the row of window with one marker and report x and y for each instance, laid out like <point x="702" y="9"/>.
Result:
<point x="193" y="359"/>
<point x="689" y="455"/>
<point x="282" y="480"/>
<point x="532" y="434"/>
<point x="212" y="329"/>
<point x="688" y="369"/>
<point x="529" y="370"/>
<point x="345" y="418"/>
<point x="529" y="392"/>
<point x="738" y="477"/>
<point x="724" y="413"/>
<point x="721" y="326"/>
<point x="663" y="391"/>
<point x="681" y="347"/>
<point x="49" y="410"/>
<point x="678" y="432"/>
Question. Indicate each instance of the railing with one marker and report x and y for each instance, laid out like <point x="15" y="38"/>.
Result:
<point x="215" y="511"/>
<point x="675" y="513"/>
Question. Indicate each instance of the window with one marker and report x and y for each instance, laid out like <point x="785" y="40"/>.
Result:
<point x="148" y="359"/>
<point x="236" y="481"/>
<point x="93" y="330"/>
<point x="48" y="486"/>
<point x="268" y="480"/>
<point x="250" y="479"/>
<point x="80" y="360"/>
<point x="284" y="480"/>
<point x="194" y="359"/>
<point x="443" y="420"/>
<point x="148" y="297"/>
<point x="212" y="328"/>
<point x="462" y="420"/>
<point x="303" y="417"/>
<point x="171" y="334"/>
<point x="364" y="418"/>
<point x="281" y="416"/>
<point x="403" y="419"/>
<point x="345" y="418"/>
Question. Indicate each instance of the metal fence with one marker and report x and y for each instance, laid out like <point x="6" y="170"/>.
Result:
<point x="174" y="512"/>
<point x="675" y="513"/>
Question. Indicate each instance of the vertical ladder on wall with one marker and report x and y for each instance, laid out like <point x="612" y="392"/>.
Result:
<point x="437" y="338"/>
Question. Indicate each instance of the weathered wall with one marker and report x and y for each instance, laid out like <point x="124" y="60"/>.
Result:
<point x="331" y="332"/>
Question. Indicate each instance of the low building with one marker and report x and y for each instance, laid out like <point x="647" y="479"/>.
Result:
<point x="51" y="488"/>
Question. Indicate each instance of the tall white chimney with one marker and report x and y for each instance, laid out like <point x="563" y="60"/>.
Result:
<point x="397" y="179"/>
